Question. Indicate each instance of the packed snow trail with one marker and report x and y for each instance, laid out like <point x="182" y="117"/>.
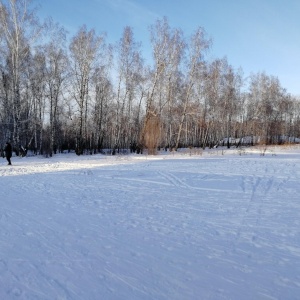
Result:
<point x="141" y="227"/>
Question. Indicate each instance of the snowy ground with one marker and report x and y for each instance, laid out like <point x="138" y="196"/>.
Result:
<point x="171" y="226"/>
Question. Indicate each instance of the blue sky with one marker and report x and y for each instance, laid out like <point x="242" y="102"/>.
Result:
<point x="257" y="35"/>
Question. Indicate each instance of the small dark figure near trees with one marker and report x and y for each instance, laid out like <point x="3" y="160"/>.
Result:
<point x="133" y="147"/>
<point x="8" y="152"/>
<point x="114" y="150"/>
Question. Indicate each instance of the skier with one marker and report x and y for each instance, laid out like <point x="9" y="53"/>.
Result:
<point x="8" y="152"/>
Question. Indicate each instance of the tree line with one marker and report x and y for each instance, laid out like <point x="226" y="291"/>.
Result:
<point x="84" y="94"/>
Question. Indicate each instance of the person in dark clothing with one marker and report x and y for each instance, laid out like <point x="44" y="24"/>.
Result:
<point x="8" y="152"/>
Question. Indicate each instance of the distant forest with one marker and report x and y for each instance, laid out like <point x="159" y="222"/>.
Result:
<point x="82" y="94"/>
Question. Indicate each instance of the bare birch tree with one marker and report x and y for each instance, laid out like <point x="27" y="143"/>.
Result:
<point x="85" y="55"/>
<point x="38" y="91"/>
<point x="129" y="67"/>
<point x="20" y="29"/>
<point x="56" y="75"/>
<point x="168" y="49"/>
<point x="199" y="44"/>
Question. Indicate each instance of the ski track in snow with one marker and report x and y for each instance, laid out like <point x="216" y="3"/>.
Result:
<point x="141" y="227"/>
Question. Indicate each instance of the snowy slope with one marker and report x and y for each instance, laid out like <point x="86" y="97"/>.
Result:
<point x="171" y="226"/>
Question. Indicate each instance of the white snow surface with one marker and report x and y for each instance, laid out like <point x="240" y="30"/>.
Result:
<point x="212" y="225"/>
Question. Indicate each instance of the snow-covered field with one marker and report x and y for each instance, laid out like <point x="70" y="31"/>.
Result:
<point x="171" y="226"/>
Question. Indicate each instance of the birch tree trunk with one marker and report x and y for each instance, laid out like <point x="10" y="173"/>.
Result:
<point x="85" y="55"/>
<point x="197" y="47"/>
<point x="20" y="30"/>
